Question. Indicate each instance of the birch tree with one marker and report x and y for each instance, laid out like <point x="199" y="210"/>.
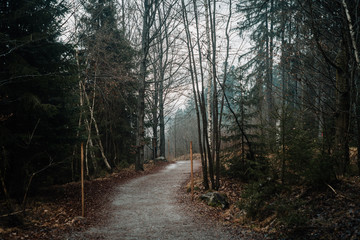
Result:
<point x="105" y="60"/>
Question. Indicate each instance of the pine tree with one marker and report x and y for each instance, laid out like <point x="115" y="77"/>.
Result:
<point x="240" y="115"/>
<point x="36" y="94"/>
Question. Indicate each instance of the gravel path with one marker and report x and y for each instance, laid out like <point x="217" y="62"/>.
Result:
<point x="148" y="208"/>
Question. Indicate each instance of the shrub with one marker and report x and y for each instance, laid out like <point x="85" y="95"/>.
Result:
<point x="257" y="197"/>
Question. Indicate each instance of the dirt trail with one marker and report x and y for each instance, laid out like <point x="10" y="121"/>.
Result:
<point x="148" y="208"/>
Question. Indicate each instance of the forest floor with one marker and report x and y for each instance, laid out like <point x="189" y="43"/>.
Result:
<point x="299" y="212"/>
<point x="57" y="210"/>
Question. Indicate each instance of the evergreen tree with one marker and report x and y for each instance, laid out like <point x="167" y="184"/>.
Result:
<point x="242" y="128"/>
<point x="36" y="94"/>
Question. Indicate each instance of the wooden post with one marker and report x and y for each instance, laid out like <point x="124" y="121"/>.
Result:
<point x="168" y="149"/>
<point x="82" y="182"/>
<point x="192" y="172"/>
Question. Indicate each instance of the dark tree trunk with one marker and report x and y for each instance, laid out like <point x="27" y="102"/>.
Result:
<point x="140" y="135"/>
<point x="161" y="119"/>
<point x="342" y="116"/>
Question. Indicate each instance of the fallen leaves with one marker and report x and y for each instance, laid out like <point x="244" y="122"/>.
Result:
<point x="56" y="211"/>
<point x="332" y="213"/>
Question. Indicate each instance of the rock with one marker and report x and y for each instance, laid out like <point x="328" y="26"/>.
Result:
<point x="78" y="220"/>
<point x="160" y="159"/>
<point x="215" y="199"/>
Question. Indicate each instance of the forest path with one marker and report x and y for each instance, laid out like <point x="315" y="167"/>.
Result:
<point x="148" y="207"/>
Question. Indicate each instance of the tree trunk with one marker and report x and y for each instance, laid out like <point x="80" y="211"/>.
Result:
<point x="81" y="106"/>
<point x="342" y="116"/>
<point x="210" y="77"/>
<point x="140" y="118"/>
<point x="198" y="97"/>
<point x="358" y="128"/>
<point x="161" y="118"/>
<point x="201" y="98"/>
<point x="215" y="111"/>
<point x="88" y="125"/>
<point x="269" y="65"/>
<point x="283" y="100"/>
<point x="155" y="120"/>
<point x="140" y="135"/>
<point x="96" y="129"/>
<point x="89" y="142"/>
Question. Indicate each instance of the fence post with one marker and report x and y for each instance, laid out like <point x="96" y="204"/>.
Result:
<point x="192" y="172"/>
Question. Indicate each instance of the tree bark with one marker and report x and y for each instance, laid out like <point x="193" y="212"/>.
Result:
<point x="148" y="19"/>
<point x="342" y="116"/>
<point x="161" y="118"/>
<point x="155" y="120"/>
<point x="96" y="129"/>
<point x="270" y="56"/>
<point x="215" y="111"/>
<point x="210" y="77"/>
